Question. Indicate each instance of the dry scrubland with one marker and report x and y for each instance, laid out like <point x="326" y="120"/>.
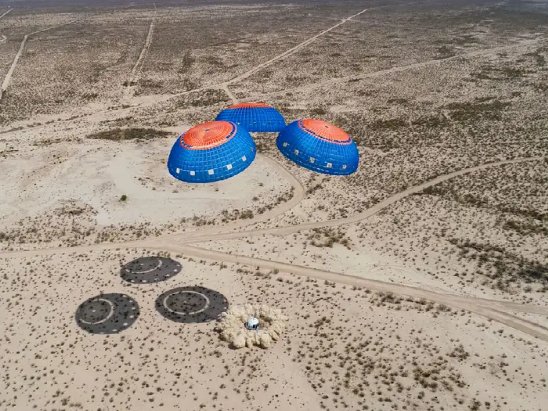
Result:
<point x="344" y="347"/>
<point x="425" y="89"/>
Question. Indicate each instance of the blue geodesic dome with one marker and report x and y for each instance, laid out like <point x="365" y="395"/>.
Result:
<point x="256" y="117"/>
<point x="211" y="151"/>
<point x="319" y="146"/>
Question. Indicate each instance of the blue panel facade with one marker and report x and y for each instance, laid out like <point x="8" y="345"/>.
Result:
<point x="255" y="119"/>
<point x="212" y="164"/>
<point x="317" y="154"/>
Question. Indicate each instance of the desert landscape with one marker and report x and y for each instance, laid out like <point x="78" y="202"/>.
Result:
<point x="418" y="282"/>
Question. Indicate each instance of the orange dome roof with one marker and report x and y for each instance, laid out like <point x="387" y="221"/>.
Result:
<point x="208" y="135"/>
<point x="249" y="105"/>
<point x="324" y="130"/>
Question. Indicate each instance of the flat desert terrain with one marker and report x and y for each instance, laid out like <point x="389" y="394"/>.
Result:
<point x="417" y="283"/>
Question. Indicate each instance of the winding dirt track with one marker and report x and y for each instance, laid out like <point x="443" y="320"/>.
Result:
<point x="200" y="237"/>
<point x="500" y="311"/>
<point x="491" y="309"/>
<point x="298" y="196"/>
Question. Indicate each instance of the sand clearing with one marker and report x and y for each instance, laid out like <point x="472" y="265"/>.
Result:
<point x="416" y="283"/>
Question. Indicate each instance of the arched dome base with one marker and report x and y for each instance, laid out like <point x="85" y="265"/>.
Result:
<point x="319" y="146"/>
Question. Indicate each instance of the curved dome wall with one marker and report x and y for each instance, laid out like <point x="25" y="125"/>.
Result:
<point x="258" y="117"/>
<point x="319" y="146"/>
<point x="210" y="152"/>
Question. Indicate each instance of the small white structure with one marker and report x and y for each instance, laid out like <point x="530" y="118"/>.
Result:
<point x="262" y="325"/>
<point x="252" y="324"/>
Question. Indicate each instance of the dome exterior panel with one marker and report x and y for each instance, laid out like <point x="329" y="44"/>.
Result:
<point x="207" y="135"/>
<point x="324" y="130"/>
<point x="218" y="161"/>
<point x="255" y="117"/>
<point x="330" y="152"/>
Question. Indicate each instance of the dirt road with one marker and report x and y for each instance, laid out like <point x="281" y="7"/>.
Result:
<point x="398" y="69"/>
<point x="9" y="74"/>
<point x="200" y="237"/>
<point x="5" y="13"/>
<point x="500" y="311"/>
<point x="135" y="71"/>
<point x="292" y="50"/>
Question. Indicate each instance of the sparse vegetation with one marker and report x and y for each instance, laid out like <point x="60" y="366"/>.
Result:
<point x="425" y="90"/>
<point x="122" y="134"/>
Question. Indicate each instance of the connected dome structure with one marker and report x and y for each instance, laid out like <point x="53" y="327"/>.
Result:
<point x="211" y="151"/>
<point x="319" y="146"/>
<point x="259" y="117"/>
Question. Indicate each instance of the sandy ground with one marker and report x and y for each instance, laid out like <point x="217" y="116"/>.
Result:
<point x="97" y="174"/>
<point x="50" y="362"/>
<point x="417" y="283"/>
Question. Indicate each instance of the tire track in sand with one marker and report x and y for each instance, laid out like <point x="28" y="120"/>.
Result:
<point x="290" y="51"/>
<point x="490" y="309"/>
<point x="9" y="74"/>
<point x="5" y="13"/>
<point x="487" y="308"/>
<point x="190" y="238"/>
<point x="495" y="310"/>
<point x="413" y="66"/>
<point x="136" y="70"/>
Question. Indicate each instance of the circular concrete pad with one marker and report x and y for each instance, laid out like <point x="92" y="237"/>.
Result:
<point x="146" y="270"/>
<point x="191" y="304"/>
<point x="107" y="313"/>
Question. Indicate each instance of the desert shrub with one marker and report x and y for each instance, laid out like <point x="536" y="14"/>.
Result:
<point x="474" y="110"/>
<point x="525" y="228"/>
<point x="391" y="124"/>
<point x="318" y="111"/>
<point x="186" y="62"/>
<point x="500" y="266"/>
<point x="120" y="134"/>
<point x="203" y="99"/>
